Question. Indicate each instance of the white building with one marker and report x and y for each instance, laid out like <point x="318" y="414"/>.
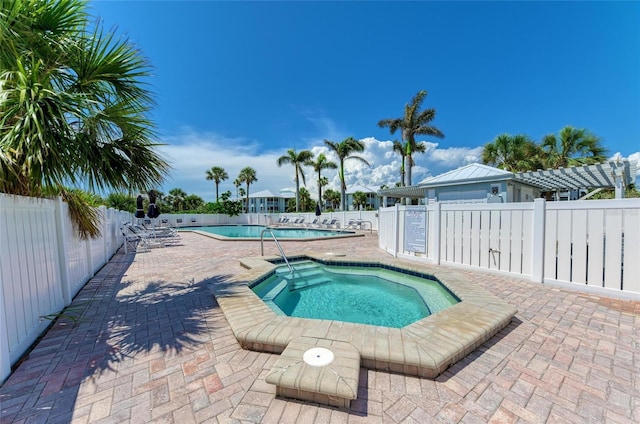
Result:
<point x="477" y="183"/>
<point x="267" y="202"/>
<point x="373" y="199"/>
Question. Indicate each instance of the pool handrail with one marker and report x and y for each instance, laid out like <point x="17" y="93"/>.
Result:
<point x="277" y="244"/>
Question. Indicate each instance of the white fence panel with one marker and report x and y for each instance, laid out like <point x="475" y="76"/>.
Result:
<point x="30" y="273"/>
<point x="387" y="232"/>
<point x="475" y="239"/>
<point x="42" y="266"/>
<point x="515" y="258"/>
<point x="563" y="243"/>
<point x="631" y="261"/>
<point x="595" y="247"/>
<point x="613" y="249"/>
<point x="77" y="263"/>
<point x="592" y="244"/>
<point x="579" y="246"/>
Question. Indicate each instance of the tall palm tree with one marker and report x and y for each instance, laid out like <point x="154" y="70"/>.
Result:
<point x="402" y="149"/>
<point x="399" y="148"/>
<point x="318" y="165"/>
<point x="344" y="150"/>
<point x="74" y="109"/>
<point x="297" y="160"/>
<point x="217" y="174"/>
<point x="414" y="122"/>
<point x="237" y="183"/>
<point x="248" y="176"/>
<point x="515" y="153"/>
<point x="573" y="147"/>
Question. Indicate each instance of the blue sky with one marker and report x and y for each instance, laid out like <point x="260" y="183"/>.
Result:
<point x="239" y="83"/>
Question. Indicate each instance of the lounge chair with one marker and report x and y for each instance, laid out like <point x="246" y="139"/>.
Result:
<point x="313" y="223"/>
<point x="148" y="238"/>
<point x="331" y="224"/>
<point x="352" y="224"/>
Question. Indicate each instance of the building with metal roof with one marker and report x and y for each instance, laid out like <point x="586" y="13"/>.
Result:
<point x="478" y="183"/>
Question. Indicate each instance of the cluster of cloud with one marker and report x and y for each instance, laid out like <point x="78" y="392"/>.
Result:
<point x="192" y="153"/>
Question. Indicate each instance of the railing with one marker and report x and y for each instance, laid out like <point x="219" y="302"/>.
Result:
<point x="277" y="244"/>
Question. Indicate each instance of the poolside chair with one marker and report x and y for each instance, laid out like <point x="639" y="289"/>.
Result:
<point x="299" y="221"/>
<point x="313" y="223"/>
<point x="133" y="242"/>
<point x="350" y="224"/>
<point x="159" y="237"/>
<point x="324" y="222"/>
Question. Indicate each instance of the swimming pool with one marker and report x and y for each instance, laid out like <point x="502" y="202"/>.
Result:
<point x="364" y="295"/>
<point x="252" y="232"/>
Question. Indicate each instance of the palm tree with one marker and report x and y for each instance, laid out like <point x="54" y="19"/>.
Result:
<point x="359" y="200"/>
<point x="237" y="183"/>
<point x="248" y="176"/>
<point x="344" y="150"/>
<point x="399" y="148"/>
<point x="121" y="201"/>
<point x="402" y="149"/>
<point x="73" y="109"/>
<point x="515" y="153"/>
<point x="573" y="147"/>
<point x="297" y="160"/>
<point x="321" y="163"/>
<point x="414" y="122"/>
<point x="217" y="174"/>
<point x="176" y="199"/>
<point x="332" y="197"/>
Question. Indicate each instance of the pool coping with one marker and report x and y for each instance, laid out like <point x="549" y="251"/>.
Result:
<point x="424" y="348"/>
<point x="347" y="234"/>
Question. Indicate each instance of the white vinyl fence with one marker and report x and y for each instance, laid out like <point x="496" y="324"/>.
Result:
<point x="194" y="220"/>
<point x="43" y="265"/>
<point x="591" y="245"/>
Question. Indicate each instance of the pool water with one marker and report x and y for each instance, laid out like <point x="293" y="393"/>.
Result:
<point x="254" y="231"/>
<point x="365" y="295"/>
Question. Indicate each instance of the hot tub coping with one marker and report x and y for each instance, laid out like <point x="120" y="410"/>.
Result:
<point x="424" y="348"/>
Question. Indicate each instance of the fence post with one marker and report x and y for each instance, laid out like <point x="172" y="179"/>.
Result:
<point x="396" y="230"/>
<point x="437" y="210"/>
<point x="5" y="362"/>
<point x="537" y="248"/>
<point x="62" y="251"/>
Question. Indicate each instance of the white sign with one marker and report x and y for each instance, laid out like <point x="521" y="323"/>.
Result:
<point x="415" y="229"/>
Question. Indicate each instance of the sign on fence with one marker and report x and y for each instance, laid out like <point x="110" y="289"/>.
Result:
<point x="415" y="229"/>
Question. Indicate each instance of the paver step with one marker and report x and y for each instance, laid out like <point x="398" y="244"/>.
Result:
<point x="334" y="384"/>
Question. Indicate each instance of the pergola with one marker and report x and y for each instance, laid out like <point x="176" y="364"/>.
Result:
<point x="616" y="174"/>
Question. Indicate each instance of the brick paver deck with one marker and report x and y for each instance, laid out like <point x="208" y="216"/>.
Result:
<point x="152" y="345"/>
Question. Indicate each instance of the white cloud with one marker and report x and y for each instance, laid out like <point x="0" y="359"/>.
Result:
<point x="633" y="156"/>
<point x="191" y="154"/>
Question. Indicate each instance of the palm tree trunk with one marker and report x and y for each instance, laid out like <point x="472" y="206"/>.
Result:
<point x="319" y="190"/>
<point x="297" y="193"/>
<point x="247" y="197"/>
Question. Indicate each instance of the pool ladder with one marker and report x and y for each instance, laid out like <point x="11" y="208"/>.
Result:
<point x="277" y="244"/>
